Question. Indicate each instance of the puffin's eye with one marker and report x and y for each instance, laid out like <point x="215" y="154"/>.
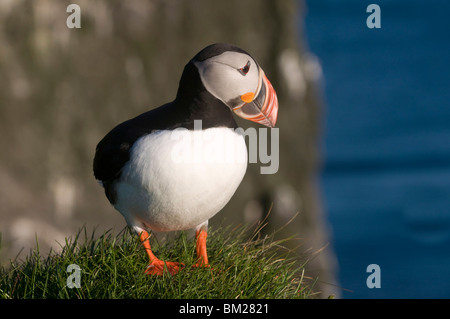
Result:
<point x="245" y="69"/>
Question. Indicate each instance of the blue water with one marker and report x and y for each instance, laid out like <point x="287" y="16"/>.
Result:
<point x="386" y="143"/>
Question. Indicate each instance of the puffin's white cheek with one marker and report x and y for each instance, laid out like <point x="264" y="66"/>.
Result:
<point x="222" y="83"/>
<point x="226" y="83"/>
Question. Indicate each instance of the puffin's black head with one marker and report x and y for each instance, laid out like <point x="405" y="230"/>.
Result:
<point x="232" y="76"/>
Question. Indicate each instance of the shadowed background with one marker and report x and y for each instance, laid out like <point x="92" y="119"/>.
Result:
<point x="62" y="90"/>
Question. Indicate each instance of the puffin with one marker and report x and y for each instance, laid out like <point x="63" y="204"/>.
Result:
<point x="176" y="166"/>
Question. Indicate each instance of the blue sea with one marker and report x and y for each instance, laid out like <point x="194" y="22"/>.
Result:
<point x="386" y="143"/>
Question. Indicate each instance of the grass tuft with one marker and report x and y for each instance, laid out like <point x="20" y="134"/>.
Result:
<point x="244" y="265"/>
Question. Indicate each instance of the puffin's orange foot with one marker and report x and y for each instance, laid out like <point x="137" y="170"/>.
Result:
<point x="159" y="267"/>
<point x="202" y="256"/>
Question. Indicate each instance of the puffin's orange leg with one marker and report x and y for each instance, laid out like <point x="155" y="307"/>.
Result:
<point x="157" y="266"/>
<point x="202" y="256"/>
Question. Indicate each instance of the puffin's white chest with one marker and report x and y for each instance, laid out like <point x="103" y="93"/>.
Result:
<point x="179" y="179"/>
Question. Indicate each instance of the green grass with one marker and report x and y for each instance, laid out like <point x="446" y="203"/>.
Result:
<point x="244" y="265"/>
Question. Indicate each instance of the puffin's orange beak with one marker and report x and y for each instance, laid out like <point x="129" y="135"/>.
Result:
<point x="261" y="107"/>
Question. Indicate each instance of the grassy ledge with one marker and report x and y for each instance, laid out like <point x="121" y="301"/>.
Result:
<point x="244" y="265"/>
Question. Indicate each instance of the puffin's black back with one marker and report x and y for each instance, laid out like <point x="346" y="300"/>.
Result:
<point x="193" y="102"/>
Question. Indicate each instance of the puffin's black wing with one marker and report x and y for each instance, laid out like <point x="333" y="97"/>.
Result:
<point x="113" y="151"/>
